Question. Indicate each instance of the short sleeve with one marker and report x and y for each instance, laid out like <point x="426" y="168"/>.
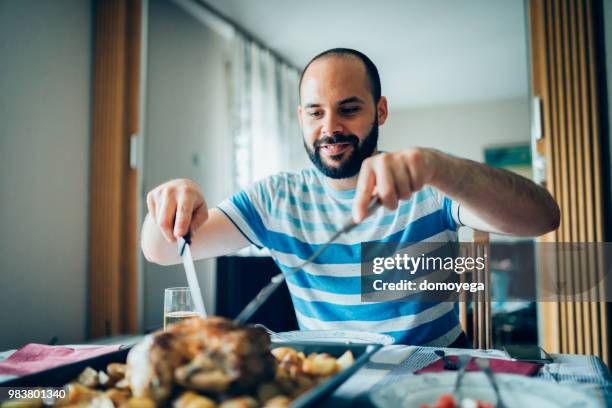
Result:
<point x="449" y="210"/>
<point x="245" y="210"/>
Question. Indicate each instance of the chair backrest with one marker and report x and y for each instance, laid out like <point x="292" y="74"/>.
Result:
<point x="480" y="323"/>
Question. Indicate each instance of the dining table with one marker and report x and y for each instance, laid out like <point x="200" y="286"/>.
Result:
<point x="391" y="363"/>
<point x="583" y="373"/>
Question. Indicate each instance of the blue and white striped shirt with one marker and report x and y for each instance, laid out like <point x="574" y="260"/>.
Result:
<point x="291" y="214"/>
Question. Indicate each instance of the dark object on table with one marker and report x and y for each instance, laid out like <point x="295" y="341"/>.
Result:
<point x="531" y="353"/>
<point x="448" y="363"/>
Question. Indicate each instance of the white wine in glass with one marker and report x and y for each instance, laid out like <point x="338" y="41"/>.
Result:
<point x="175" y="317"/>
<point x="178" y="305"/>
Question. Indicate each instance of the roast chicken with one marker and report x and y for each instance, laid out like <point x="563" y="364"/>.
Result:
<point x="212" y="355"/>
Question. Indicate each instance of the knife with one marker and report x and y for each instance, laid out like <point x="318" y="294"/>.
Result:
<point x="278" y="279"/>
<point x="184" y="248"/>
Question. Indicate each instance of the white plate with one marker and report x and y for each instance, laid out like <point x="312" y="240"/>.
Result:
<point x="517" y="391"/>
<point x="334" y="336"/>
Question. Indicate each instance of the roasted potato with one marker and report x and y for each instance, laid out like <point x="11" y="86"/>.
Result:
<point x="88" y="378"/>
<point x="278" y="402"/>
<point x="345" y="360"/>
<point x="100" y="401"/>
<point x="77" y="394"/>
<point x="117" y="396"/>
<point x="190" y="399"/>
<point x="23" y="403"/>
<point x="280" y="352"/>
<point x="116" y="371"/>
<point x="319" y="364"/>
<point x="240" y="402"/>
<point x="139" y="402"/>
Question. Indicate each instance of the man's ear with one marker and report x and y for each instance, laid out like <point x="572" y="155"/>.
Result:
<point x="383" y="111"/>
<point x="299" y="113"/>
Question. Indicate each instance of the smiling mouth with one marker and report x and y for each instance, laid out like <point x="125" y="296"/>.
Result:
<point x="334" y="149"/>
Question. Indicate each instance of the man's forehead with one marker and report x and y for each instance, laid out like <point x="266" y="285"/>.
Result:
<point x="335" y="76"/>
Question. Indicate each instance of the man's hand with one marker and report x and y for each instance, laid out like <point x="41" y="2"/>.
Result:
<point x="176" y="207"/>
<point x="490" y="199"/>
<point x="392" y="177"/>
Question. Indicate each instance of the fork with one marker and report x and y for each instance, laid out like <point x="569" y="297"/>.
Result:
<point x="263" y="295"/>
<point x="485" y="366"/>
<point x="464" y="360"/>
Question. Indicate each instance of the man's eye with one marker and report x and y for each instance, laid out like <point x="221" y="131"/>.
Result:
<point x="349" y="111"/>
<point x="315" y="114"/>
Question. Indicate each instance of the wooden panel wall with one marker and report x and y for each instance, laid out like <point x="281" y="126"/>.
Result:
<point x="564" y="57"/>
<point x="113" y="200"/>
<point x="482" y="326"/>
<point x="479" y="325"/>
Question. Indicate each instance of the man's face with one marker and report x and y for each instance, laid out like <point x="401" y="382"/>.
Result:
<point x="338" y="115"/>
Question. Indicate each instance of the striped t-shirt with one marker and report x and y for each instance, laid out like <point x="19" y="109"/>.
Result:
<point x="292" y="214"/>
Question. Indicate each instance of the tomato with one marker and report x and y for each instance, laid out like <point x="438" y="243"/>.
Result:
<point x="446" y="401"/>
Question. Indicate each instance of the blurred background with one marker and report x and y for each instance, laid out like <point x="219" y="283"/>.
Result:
<point x="101" y="101"/>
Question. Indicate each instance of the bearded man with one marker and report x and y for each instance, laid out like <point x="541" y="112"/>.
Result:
<point x="425" y="196"/>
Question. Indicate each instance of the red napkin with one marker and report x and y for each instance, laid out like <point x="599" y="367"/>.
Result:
<point x="497" y="366"/>
<point x="37" y="357"/>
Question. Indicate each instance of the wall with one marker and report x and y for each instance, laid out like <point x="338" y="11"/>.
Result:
<point x="462" y="130"/>
<point x="186" y="133"/>
<point x="607" y="19"/>
<point x="45" y="64"/>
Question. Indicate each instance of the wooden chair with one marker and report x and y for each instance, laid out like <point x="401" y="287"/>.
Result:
<point x="480" y="323"/>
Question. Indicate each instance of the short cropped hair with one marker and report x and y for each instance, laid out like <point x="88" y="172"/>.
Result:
<point x="371" y="70"/>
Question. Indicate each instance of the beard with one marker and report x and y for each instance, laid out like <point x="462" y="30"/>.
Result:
<point x="349" y="166"/>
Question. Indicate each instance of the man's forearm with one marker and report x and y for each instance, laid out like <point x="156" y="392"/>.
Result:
<point x="216" y="237"/>
<point x="508" y="202"/>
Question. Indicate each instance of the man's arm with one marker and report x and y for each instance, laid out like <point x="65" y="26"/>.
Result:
<point x="490" y="199"/>
<point x="218" y="236"/>
<point x="176" y="207"/>
<point x="495" y="200"/>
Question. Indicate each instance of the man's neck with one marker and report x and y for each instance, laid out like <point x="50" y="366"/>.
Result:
<point x="343" y="184"/>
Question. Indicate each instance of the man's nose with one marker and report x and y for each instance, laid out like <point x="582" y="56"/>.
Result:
<point x="331" y="125"/>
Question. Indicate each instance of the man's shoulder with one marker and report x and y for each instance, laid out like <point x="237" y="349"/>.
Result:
<point x="302" y="180"/>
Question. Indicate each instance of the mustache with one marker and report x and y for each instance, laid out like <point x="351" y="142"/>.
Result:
<point x="338" y="138"/>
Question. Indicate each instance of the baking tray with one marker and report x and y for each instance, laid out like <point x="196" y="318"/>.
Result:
<point x="59" y="376"/>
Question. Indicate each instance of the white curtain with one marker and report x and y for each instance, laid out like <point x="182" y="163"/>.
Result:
<point x="265" y="131"/>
